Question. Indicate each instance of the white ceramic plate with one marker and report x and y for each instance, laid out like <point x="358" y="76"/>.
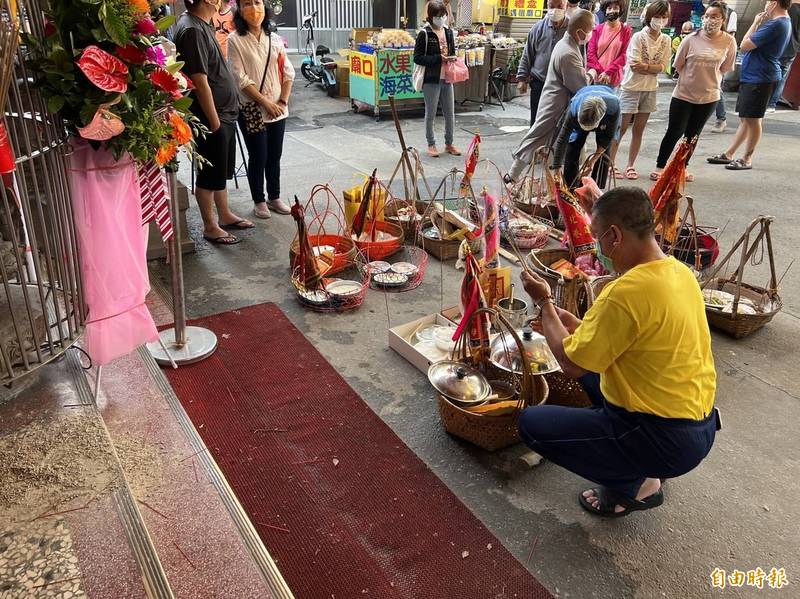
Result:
<point x="405" y="268"/>
<point x="378" y="266"/>
<point x="343" y="287"/>
<point x="390" y="279"/>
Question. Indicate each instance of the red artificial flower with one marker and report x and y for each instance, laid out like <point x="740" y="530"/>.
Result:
<point x="166" y="82"/>
<point x="131" y="54"/>
<point x="146" y="26"/>
<point x="105" y="71"/>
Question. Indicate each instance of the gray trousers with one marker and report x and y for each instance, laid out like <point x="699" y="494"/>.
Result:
<point x="436" y="93"/>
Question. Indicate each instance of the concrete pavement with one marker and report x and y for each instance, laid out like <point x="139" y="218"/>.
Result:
<point x="737" y="510"/>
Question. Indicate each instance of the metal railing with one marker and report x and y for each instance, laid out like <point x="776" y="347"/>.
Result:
<point x="42" y="309"/>
<point x="334" y="22"/>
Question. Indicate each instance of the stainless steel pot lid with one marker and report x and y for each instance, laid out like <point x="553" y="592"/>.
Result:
<point x="504" y="353"/>
<point x="459" y="382"/>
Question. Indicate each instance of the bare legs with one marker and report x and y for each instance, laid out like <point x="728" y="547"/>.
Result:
<point x="749" y="134"/>
<point x="639" y="122"/>
<point x="207" y="200"/>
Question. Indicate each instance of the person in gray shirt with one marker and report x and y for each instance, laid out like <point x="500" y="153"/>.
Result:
<point x="535" y="59"/>
<point x="565" y="76"/>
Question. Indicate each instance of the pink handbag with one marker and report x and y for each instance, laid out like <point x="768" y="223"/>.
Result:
<point x="456" y="71"/>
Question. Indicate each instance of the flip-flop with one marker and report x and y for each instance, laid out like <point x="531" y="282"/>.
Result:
<point x="718" y="159"/>
<point x="689" y="178"/>
<point x="631" y="174"/>
<point x="222" y="240"/>
<point x="738" y="165"/>
<point x="609" y="500"/>
<point x="239" y="225"/>
<point x="618" y="173"/>
<point x="654" y="176"/>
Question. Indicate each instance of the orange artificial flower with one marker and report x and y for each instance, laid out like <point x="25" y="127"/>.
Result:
<point x="140" y="6"/>
<point x="166" y="153"/>
<point x="181" y="132"/>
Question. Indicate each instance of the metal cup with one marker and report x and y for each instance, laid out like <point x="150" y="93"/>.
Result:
<point x="514" y="313"/>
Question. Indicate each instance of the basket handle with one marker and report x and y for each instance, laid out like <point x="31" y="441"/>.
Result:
<point x="689" y="214"/>
<point x="748" y="249"/>
<point x="460" y="351"/>
<point x="589" y="163"/>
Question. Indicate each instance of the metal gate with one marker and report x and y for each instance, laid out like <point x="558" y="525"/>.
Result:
<point x="42" y="311"/>
<point x="334" y="21"/>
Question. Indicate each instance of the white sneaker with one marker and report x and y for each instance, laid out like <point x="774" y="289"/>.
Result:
<point x="261" y="210"/>
<point x="719" y="126"/>
<point x="771" y="109"/>
<point x="278" y="206"/>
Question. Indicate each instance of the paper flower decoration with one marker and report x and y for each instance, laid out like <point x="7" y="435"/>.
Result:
<point x="105" y="71"/>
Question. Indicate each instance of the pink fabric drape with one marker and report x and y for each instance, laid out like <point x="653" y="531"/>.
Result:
<point x="108" y="219"/>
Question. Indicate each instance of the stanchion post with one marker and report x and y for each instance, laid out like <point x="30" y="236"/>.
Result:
<point x="181" y="344"/>
<point x="176" y="262"/>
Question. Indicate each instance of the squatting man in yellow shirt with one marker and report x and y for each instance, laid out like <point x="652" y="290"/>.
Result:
<point x="643" y="355"/>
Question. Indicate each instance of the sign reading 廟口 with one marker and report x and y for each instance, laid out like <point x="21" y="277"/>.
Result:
<point x="521" y="9"/>
<point x="395" y="70"/>
<point x="362" y="65"/>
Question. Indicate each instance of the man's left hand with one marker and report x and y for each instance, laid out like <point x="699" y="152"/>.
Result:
<point x="535" y="285"/>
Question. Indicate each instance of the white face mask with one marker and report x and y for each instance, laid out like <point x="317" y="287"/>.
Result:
<point x="557" y="14"/>
<point x="658" y="24"/>
<point x="585" y="40"/>
<point x="439" y="21"/>
<point x="571" y="10"/>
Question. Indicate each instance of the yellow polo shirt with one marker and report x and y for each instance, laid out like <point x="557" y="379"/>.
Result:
<point x="647" y="335"/>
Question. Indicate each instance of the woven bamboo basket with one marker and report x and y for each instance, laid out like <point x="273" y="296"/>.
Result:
<point x="403" y="213"/>
<point x="487" y="432"/>
<point x="742" y="325"/>
<point x="491" y="432"/>
<point x="573" y="295"/>
<point x="565" y="391"/>
<point x="765" y="299"/>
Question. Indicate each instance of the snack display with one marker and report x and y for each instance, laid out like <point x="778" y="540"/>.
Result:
<point x="393" y="38"/>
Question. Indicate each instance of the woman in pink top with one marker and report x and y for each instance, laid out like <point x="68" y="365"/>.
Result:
<point x="605" y="57"/>
<point x="700" y="61"/>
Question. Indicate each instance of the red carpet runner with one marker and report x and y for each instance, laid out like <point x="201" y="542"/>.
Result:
<point x="344" y="507"/>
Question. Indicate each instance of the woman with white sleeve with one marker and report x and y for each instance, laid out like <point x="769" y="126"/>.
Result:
<point x="649" y="54"/>
<point x="265" y="76"/>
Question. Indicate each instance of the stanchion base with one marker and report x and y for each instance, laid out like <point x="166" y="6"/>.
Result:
<point x="200" y="343"/>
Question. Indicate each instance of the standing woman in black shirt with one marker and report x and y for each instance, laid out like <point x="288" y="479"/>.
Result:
<point x="436" y="46"/>
<point x="216" y="104"/>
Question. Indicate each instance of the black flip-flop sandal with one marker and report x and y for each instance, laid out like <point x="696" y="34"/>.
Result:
<point x="738" y="165"/>
<point x="239" y="225"/>
<point x="718" y="159"/>
<point x="611" y="499"/>
<point x="223" y="240"/>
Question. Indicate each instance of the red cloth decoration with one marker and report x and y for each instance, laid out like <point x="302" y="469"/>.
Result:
<point x="668" y="190"/>
<point x="308" y="274"/>
<point x="155" y="201"/>
<point x="576" y="221"/>
<point x="105" y="71"/>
